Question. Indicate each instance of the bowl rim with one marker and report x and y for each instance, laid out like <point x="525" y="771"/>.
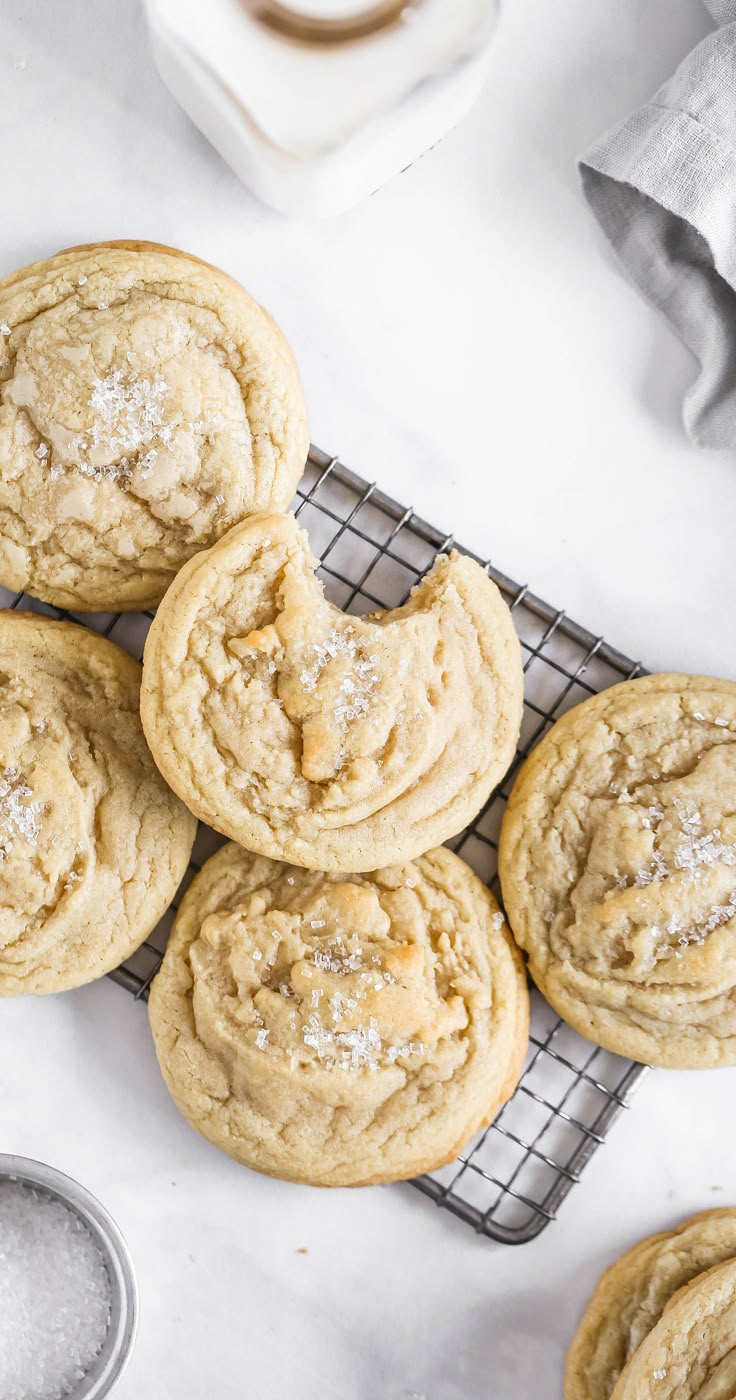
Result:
<point x="108" y="1366"/>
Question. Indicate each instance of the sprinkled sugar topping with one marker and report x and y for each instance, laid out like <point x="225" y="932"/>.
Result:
<point x="356" y="1049"/>
<point x="129" y="428"/>
<point x="357" y="687"/>
<point x="18" y="814"/>
<point x="56" y="1296"/>
<point x="659" y="1375"/>
<point x="332" y="1026"/>
<point x="696" y="850"/>
<point x="336" y="956"/>
<point x="694" y="853"/>
<point x="719" y="719"/>
<point x="697" y="934"/>
<point x="4" y="328"/>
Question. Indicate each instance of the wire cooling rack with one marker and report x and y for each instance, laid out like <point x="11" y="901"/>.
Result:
<point x="511" y="1179"/>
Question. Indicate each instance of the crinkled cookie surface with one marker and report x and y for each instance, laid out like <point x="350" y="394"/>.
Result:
<point x="92" y="842"/>
<point x="692" y="1350"/>
<point x="334" y="742"/>
<point x="618" y="866"/>
<point x="633" y="1294"/>
<point x="147" y="403"/>
<point x="339" y="1030"/>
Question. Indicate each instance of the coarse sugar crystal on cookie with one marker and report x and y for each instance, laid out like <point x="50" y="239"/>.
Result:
<point x="147" y="404"/>
<point x="339" y="1029"/>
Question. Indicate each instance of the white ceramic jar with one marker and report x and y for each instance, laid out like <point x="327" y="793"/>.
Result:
<point x="316" y="103"/>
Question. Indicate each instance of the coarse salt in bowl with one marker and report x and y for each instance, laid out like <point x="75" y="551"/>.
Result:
<point x="68" y="1294"/>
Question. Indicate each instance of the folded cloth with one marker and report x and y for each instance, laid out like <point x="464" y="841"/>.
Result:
<point x="723" y="11"/>
<point x="663" y="188"/>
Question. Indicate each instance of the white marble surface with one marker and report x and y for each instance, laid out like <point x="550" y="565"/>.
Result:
<point x="462" y="337"/>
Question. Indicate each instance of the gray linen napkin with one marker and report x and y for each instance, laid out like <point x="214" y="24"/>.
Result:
<point x="663" y="188"/>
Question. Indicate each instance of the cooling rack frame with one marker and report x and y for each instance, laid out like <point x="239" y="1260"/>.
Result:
<point x="510" y="1181"/>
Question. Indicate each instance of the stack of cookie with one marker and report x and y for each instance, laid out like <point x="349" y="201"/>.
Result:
<point x="662" y="1321"/>
<point x="341" y="1002"/>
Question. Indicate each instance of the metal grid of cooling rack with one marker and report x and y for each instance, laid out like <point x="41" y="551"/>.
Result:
<point x="510" y="1181"/>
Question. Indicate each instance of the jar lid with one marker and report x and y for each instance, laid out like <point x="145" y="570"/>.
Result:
<point x="328" y="21"/>
<point x="297" y="103"/>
